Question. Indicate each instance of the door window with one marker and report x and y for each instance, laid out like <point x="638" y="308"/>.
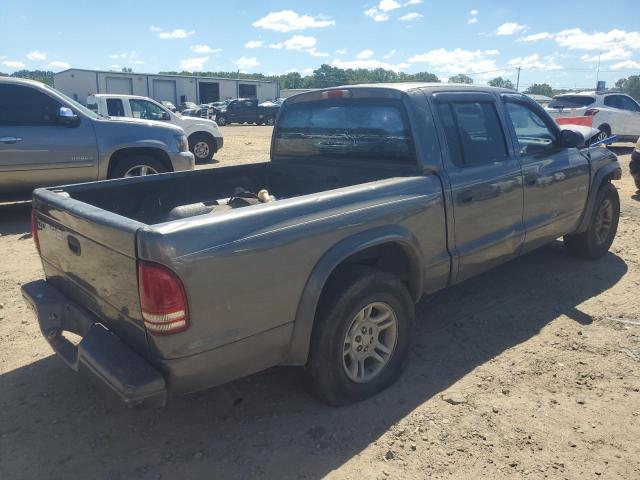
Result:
<point x="115" y="108"/>
<point x="473" y="132"/>
<point x="629" y="104"/>
<point x="146" y="109"/>
<point x="533" y="134"/>
<point x="25" y="106"/>
<point x="613" y="101"/>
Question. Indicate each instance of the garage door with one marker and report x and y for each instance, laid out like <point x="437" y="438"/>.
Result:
<point x="209" y="92"/>
<point x="164" y="90"/>
<point x="119" y="85"/>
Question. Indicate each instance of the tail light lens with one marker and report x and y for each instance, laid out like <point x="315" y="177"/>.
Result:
<point x="34" y="230"/>
<point x="591" y="112"/>
<point x="336" y="94"/>
<point x="162" y="299"/>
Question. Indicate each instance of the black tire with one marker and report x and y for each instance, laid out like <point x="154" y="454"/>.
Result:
<point x="206" y="147"/>
<point x="270" y="120"/>
<point x="595" y="242"/>
<point x="603" y="132"/>
<point x="127" y="165"/>
<point x="350" y="291"/>
<point x="221" y="120"/>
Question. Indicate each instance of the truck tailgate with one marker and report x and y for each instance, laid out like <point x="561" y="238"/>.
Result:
<point x="89" y="255"/>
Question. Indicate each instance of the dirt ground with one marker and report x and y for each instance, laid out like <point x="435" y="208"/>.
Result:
<point x="543" y="353"/>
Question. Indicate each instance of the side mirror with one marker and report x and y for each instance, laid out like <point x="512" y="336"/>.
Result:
<point x="166" y="116"/>
<point x="67" y="117"/>
<point x="571" y="139"/>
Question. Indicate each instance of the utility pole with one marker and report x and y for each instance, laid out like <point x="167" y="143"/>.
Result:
<point x="598" y="70"/>
<point x="518" y="79"/>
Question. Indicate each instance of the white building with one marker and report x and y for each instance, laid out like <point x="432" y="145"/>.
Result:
<point x="78" y="84"/>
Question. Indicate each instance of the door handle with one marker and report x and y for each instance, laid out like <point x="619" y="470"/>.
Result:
<point x="531" y="179"/>
<point x="10" y="139"/>
<point x="466" y="197"/>
<point x="74" y="244"/>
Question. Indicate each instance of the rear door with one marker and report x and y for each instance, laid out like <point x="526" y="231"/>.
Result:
<point x="37" y="151"/>
<point x="485" y="178"/>
<point x="632" y="113"/>
<point x="556" y="179"/>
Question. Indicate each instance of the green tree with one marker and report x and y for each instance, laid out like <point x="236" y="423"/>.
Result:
<point x="44" y="76"/>
<point x="127" y="69"/>
<point x="328" y="76"/>
<point x="461" y="78"/>
<point x="501" y="82"/>
<point x="540" y="89"/>
<point x="291" y="80"/>
<point x="630" y="86"/>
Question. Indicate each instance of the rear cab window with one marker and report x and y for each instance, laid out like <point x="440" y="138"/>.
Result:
<point x="115" y="108"/>
<point x="571" y="101"/>
<point x="371" y="129"/>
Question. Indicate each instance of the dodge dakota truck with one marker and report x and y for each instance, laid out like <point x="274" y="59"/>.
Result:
<point x="374" y="196"/>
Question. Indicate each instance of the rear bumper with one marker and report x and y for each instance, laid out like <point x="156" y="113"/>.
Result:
<point x="182" y="161"/>
<point x="100" y="353"/>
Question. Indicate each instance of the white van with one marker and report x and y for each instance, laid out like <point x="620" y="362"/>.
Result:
<point x="204" y="136"/>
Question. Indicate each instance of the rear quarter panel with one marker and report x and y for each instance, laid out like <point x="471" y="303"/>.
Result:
<point x="245" y="271"/>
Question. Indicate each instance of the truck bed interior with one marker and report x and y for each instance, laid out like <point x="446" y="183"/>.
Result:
<point x="162" y="198"/>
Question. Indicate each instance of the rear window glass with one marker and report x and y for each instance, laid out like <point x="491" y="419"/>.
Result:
<point x="571" y="101"/>
<point x="372" y="129"/>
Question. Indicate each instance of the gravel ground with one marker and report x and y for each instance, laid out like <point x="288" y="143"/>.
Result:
<point x="528" y="371"/>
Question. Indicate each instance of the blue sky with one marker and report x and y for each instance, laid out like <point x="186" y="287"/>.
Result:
<point x="554" y="42"/>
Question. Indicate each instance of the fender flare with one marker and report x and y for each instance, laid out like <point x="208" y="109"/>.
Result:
<point x="612" y="170"/>
<point x="334" y="256"/>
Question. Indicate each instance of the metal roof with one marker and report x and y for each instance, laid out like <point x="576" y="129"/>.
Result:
<point x="110" y="72"/>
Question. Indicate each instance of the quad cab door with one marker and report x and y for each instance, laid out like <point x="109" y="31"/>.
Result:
<point x="485" y="180"/>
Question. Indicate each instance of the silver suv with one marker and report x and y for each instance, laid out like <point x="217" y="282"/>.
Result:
<point x="46" y="139"/>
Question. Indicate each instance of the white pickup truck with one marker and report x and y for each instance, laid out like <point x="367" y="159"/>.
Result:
<point x="204" y="136"/>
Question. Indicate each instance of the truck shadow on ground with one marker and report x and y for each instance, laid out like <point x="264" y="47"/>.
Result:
<point x="55" y="424"/>
<point x="14" y="218"/>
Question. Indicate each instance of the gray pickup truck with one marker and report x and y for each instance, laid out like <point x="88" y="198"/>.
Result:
<point x="47" y="138"/>
<point x="374" y="196"/>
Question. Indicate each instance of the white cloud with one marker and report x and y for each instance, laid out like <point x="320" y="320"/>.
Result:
<point x="409" y="17"/>
<point x="13" y="64"/>
<point x="341" y="51"/>
<point x="388" y="5"/>
<point x="576" y="39"/>
<point x="193" y="64"/>
<point x="176" y="33"/>
<point x="204" y="49"/>
<point x="131" y="54"/>
<point x="390" y="54"/>
<point x="473" y="13"/>
<point x="364" y="54"/>
<point x="300" y="43"/>
<point x="616" y="53"/>
<point x="535" y="37"/>
<point x="376" y="15"/>
<point x="370" y="64"/>
<point x="510" y="28"/>
<point x="472" y="20"/>
<point x="629" y="64"/>
<point x="535" y="62"/>
<point x="36" y="55"/>
<point x="458" y="60"/>
<point x="244" y="63"/>
<point x="412" y="2"/>
<point x="253" y="44"/>
<point x="58" y="64"/>
<point x="288" y="21"/>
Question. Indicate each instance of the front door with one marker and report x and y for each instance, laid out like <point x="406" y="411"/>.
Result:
<point x="485" y="180"/>
<point x="556" y="179"/>
<point x="35" y="149"/>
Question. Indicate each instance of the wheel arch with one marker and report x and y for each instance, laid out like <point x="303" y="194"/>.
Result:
<point x="391" y="248"/>
<point x="611" y="171"/>
<point x="127" y="152"/>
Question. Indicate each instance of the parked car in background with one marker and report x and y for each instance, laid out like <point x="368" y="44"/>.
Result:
<point x="317" y="257"/>
<point x="187" y="106"/>
<point x="169" y="106"/>
<point x="203" y="135"/>
<point x="46" y="138"/>
<point x="247" y="110"/>
<point x="612" y="113"/>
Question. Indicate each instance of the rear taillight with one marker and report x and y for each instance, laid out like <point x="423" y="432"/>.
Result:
<point x="34" y="230"/>
<point x="590" y="112"/>
<point x="336" y="94"/>
<point x="162" y="299"/>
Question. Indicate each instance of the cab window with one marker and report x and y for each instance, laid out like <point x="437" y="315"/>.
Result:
<point x="532" y="133"/>
<point x="146" y="110"/>
<point x="115" y="108"/>
<point x="24" y="106"/>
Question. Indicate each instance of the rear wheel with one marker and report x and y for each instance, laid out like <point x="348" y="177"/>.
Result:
<point x="202" y="147"/>
<point x="271" y="120"/>
<point x="361" y="335"/>
<point x="596" y="240"/>
<point x="137" y="166"/>
<point x="221" y="120"/>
